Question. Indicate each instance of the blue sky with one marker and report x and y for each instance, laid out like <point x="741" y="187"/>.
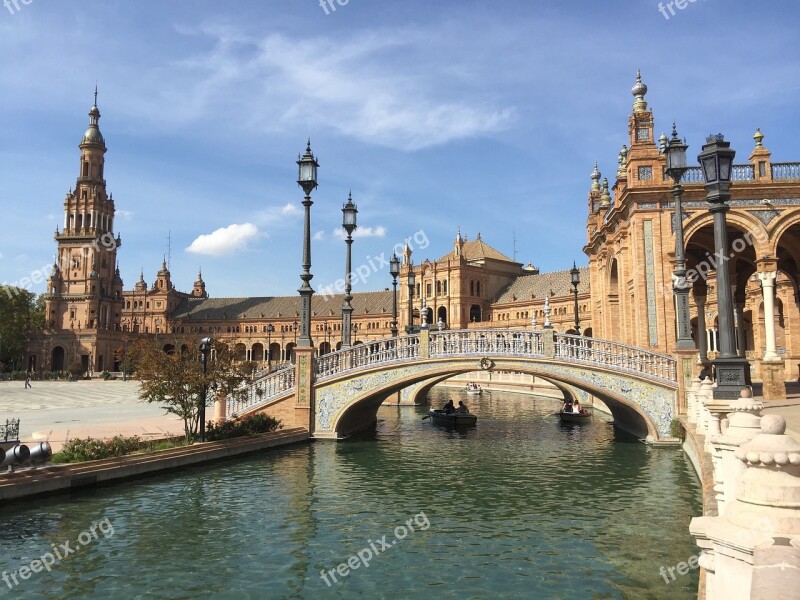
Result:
<point x="486" y="116"/>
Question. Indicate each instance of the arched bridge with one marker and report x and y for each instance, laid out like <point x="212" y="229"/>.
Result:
<point x="338" y="393"/>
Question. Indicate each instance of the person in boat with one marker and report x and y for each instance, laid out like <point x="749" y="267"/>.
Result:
<point x="576" y="407"/>
<point x="567" y="408"/>
<point x="448" y="408"/>
<point x="462" y="408"/>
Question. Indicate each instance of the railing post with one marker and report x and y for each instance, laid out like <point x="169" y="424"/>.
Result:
<point x="549" y="343"/>
<point x="425" y="343"/>
<point x="305" y="410"/>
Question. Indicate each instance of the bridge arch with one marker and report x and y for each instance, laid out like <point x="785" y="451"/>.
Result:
<point x="348" y="404"/>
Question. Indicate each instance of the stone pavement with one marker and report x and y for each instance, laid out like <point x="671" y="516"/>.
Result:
<point x="789" y="408"/>
<point x="59" y="410"/>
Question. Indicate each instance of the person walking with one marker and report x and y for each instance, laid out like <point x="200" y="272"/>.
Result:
<point x="27" y="379"/>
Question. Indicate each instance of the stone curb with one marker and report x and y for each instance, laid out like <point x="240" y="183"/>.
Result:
<point x="55" y="478"/>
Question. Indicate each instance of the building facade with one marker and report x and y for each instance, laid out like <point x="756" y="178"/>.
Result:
<point x="631" y="250"/>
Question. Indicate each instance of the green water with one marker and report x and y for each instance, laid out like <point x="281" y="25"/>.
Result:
<point x="519" y="507"/>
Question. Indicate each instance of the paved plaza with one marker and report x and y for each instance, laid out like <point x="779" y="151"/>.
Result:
<point x="60" y="410"/>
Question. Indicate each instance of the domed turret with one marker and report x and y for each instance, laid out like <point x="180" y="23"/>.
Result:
<point x="596" y="178"/>
<point x="92" y="134"/>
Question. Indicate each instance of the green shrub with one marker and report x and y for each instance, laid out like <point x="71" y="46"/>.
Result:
<point x="78" y="450"/>
<point x="105" y="375"/>
<point x="250" y="425"/>
<point x="676" y="429"/>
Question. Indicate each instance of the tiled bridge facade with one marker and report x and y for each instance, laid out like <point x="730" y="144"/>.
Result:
<point x="338" y="393"/>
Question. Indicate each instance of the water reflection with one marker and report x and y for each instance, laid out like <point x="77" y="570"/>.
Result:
<point x="520" y="506"/>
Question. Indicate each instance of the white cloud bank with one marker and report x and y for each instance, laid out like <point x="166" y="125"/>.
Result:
<point x="224" y="241"/>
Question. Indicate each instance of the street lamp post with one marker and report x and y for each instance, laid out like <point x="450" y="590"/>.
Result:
<point x="205" y="348"/>
<point x="576" y="280"/>
<point x="394" y="271"/>
<point x="270" y="330"/>
<point x="676" y="167"/>
<point x="411" y="282"/>
<point x="349" y="212"/>
<point x="307" y="179"/>
<point x="716" y="160"/>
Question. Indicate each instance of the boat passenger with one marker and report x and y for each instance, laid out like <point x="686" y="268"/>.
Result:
<point x="576" y="407"/>
<point x="448" y="408"/>
<point x="567" y="406"/>
<point x="462" y="408"/>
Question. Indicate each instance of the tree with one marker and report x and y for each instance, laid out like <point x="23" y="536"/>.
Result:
<point x="175" y="380"/>
<point x="21" y="313"/>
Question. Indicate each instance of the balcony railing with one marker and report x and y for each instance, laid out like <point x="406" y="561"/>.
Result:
<point x="784" y="171"/>
<point x="487" y="341"/>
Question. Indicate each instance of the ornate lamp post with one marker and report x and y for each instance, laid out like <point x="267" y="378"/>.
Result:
<point x="349" y="212"/>
<point x="270" y="330"/>
<point x="716" y="161"/>
<point x="394" y="271"/>
<point x="307" y="179"/>
<point x="205" y="348"/>
<point x="411" y="282"/>
<point x="576" y="280"/>
<point x="676" y="167"/>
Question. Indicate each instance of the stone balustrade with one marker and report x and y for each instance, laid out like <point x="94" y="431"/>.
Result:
<point x="752" y="549"/>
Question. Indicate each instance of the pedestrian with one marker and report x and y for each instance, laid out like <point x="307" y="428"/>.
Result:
<point x="27" y="379"/>
<point x="703" y="373"/>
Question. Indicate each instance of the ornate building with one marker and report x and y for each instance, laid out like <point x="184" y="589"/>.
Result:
<point x="91" y="319"/>
<point x="631" y="249"/>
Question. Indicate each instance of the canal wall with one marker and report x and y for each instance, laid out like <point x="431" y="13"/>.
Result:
<point x="61" y="478"/>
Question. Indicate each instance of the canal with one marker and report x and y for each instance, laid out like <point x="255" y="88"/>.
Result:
<point x="519" y="507"/>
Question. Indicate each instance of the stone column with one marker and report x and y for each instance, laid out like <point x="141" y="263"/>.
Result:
<point x="220" y="407"/>
<point x="691" y="401"/>
<point x="702" y="331"/>
<point x="768" y="290"/>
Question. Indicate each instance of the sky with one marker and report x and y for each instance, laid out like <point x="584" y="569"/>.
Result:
<point x="483" y="116"/>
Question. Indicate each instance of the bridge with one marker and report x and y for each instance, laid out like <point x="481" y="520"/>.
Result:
<point x="338" y="393"/>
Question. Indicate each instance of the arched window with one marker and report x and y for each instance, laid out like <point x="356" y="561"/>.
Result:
<point x="85" y="169"/>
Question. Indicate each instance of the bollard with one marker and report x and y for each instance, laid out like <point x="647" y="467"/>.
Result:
<point x="16" y="455"/>
<point x="40" y="453"/>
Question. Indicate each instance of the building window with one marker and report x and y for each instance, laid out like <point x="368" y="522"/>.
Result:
<point x="642" y="134"/>
<point x="645" y="173"/>
<point x="428" y="289"/>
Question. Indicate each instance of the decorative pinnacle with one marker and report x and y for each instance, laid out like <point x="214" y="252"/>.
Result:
<point x="95" y="94"/>
<point x="771" y="447"/>
<point x="758" y="137"/>
<point x="715" y="137"/>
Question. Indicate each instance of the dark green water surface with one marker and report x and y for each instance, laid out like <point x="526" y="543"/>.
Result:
<point x="519" y="507"/>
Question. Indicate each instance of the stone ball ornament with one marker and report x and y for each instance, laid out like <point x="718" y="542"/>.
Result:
<point x="772" y="447"/>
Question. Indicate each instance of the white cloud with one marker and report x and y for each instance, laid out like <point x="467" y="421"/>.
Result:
<point x="125" y="214"/>
<point x="224" y="241"/>
<point x="320" y="235"/>
<point x="276" y="214"/>
<point x="291" y="209"/>
<point x="328" y="82"/>
<point x="362" y="232"/>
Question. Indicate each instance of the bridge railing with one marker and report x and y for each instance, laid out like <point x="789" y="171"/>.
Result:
<point x="372" y="353"/>
<point x="614" y="354"/>
<point x="262" y="391"/>
<point x="487" y="341"/>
